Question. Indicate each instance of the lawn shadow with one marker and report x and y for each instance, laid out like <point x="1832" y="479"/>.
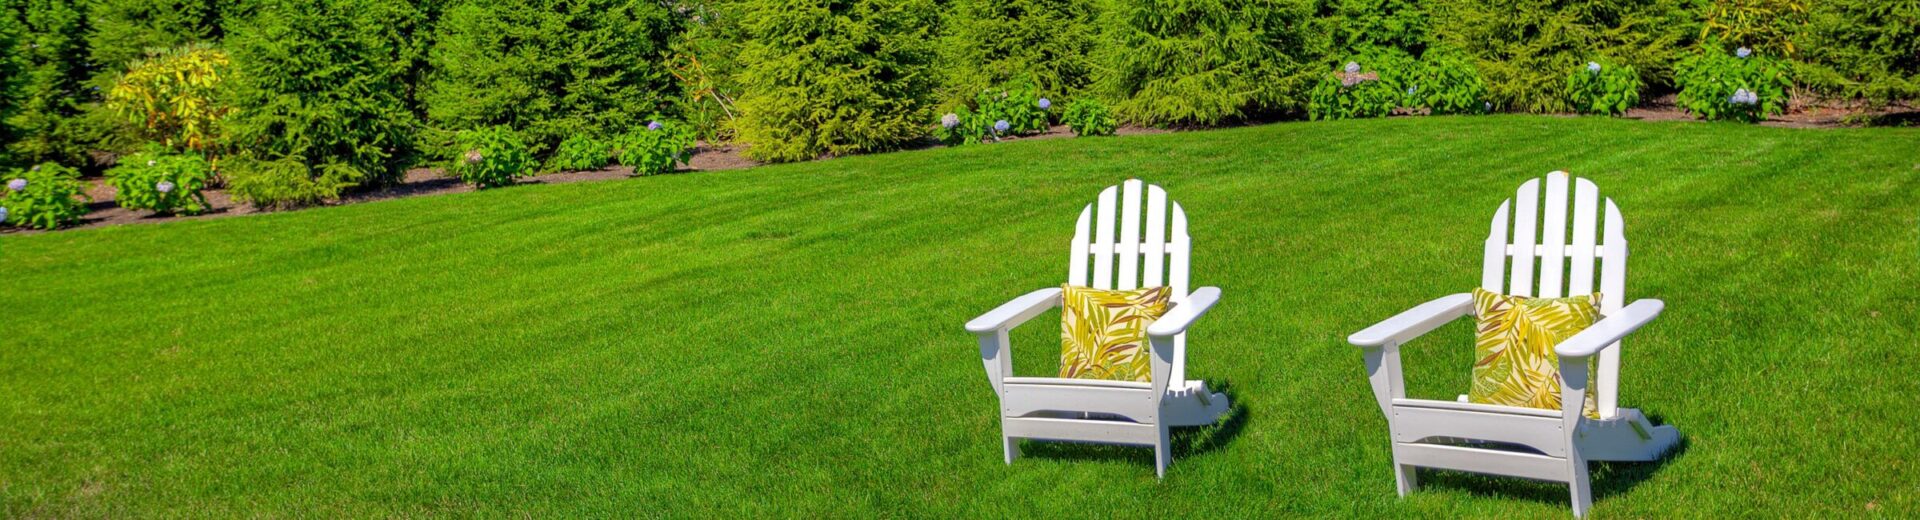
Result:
<point x="1187" y="441"/>
<point x="1609" y="478"/>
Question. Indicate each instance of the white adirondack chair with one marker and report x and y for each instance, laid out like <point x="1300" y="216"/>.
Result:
<point x="1118" y="412"/>
<point x="1480" y="438"/>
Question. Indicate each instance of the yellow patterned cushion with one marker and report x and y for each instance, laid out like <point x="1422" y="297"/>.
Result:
<point x="1103" y="334"/>
<point x="1514" y="364"/>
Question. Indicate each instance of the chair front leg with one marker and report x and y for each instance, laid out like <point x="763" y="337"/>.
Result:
<point x="1383" y="374"/>
<point x="1573" y="395"/>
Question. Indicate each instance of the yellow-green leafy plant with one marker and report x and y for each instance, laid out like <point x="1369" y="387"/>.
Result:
<point x="172" y="96"/>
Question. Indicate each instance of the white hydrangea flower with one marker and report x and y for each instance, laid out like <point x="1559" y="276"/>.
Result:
<point x="1743" y="52"/>
<point x="1593" y="67"/>
<point x="1353" y="67"/>
<point x="950" y="120"/>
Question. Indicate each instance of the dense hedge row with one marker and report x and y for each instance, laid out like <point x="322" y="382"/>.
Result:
<point x="301" y="99"/>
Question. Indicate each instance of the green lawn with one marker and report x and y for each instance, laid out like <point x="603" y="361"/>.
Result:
<point x="787" y="340"/>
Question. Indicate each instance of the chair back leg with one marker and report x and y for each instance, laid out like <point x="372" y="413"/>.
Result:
<point x="1011" y="448"/>
<point x="1405" y="477"/>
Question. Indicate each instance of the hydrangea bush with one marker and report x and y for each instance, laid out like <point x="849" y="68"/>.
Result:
<point x="1087" y="117"/>
<point x="1446" y="83"/>
<point x="491" y="157"/>
<point x="46" y="196"/>
<point x="1737" y="86"/>
<point x="655" y="148"/>
<point x="161" y="181"/>
<point x="1368" y="86"/>
<point x="995" y="114"/>
<point x="1601" y="89"/>
<point x="581" y="152"/>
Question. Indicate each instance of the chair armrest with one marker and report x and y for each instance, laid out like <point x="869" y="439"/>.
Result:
<point x="1182" y="316"/>
<point x="1016" y="311"/>
<point x="1414" y="322"/>
<point x="1609" y="330"/>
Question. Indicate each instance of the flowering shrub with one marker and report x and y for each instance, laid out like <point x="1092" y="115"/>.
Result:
<point x="1446" y="83"/>
<point x="1601" y="89"/>
<point x="45" y="196"/>
<point x="491" y="157"/>
<point x="655" y="148"/>
<point x="1088" y="117"/>
<point x="581" y="152"/>
<point x="161" y="181"/>
<point x="995" y="114"/>
<point x="1741" y="86"/>
<point x="1370" y="86"/>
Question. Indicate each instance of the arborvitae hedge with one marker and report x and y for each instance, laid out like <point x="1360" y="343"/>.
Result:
<point x="1202" y="62"/>
<point x="1525" y="48"/>
<point x="550" y="69"/>
<point x="9" y="82"/>
<point x="1045" y="44"/>
<point x="835" y="77"/>
<point x="1864" y="48"/>
<point x="52" y="60"/>
<point x="319" y="97"/>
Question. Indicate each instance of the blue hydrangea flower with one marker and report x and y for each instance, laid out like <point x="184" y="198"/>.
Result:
<point x="1744" y="97"/>
<point x="3" y="213"/>
<point x="1000" y="126"/>
<point x="17" y="184"/>
<point x="1489" y="106"/>
<point x="1593" y="67"/>
<point x="950" y="120"/>
<point x="653" y="125"/>
<point x="1353" y="67"/>
<point x="1413" y="89"/>
<point x="163" y="187"/>
<point x="1743" y="52"/>
<point x="1045" y="104"/>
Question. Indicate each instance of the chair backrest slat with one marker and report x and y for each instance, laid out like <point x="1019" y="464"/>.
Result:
<point x="1565" y="266"/>
<point x="1103" y="239"/>
<point x="1553" y="237"/>
<point x="1128" y="248"/>
<point x="1526" y="204"/>
<point x="1154" y="250"/>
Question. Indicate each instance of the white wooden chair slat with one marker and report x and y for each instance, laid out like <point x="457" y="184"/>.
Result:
<point x="1128" y="248"/>
<point x="1132" y="236"/>
<point x="1574" y="252"/>
<point x="1582" y="251"/>
<point x="1494" y="273"/>
<point x="1526" y="204"/>
<point x="1155" y="249"/>
<point x="1103" y="239"/>
<point x="1077" y="268"/>
<point x="1553" y="236"/>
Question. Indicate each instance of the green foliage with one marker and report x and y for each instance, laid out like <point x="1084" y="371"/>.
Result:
<point x="1717" y="86"/>
<point x="1358" y="26"/>
<point x="1088" y="117"/>
<point x="171" y="96"/>
<point x="1047" y="44"/>
<point x="491" y="157"/>
<point x="1599" y="88"/>
<point x="1447" y="83"/>
<point x="52" y="60"/>
<point x="549" y="68"/>
<point x="161" y="180"/>
<point x="1524" y="47"/>
<point x="581" y="152"/>
<point x="1371" y="85"/>
<point x="1204" y="62"/>
<point x="1762" y="25"/>
<point x="319" y="95"/>
<point x="9" y="82"/>
<point x="1019" y="108"/>
<point x="655" y="148"/>
<point x="1869" y="48"/>
<point x="834" y="77"/>
<point x="126" y="31"/>
<point x="45" y="196"/>
<point x="706" y="67"/>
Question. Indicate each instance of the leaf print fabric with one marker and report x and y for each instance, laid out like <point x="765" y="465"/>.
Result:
<point x="1514" y="336"/>
<point x="1103" y="334"/>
